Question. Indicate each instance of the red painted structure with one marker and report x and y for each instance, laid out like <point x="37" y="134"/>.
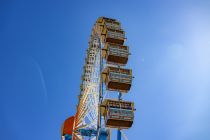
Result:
<point x="67" y="127"/>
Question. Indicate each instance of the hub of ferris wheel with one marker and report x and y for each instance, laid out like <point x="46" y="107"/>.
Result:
<point x="104" y="74"/>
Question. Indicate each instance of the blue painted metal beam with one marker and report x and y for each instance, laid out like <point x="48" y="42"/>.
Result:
<point x="103" y="135"/>
<point x="119" y="134"/>
<point x="118" y="131"/>
<point x="92" y="133"/>
<point x="68" y="137"/>
<point x="87" y="132"/>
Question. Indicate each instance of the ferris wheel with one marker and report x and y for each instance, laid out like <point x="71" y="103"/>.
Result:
<point x="104" y="75"/>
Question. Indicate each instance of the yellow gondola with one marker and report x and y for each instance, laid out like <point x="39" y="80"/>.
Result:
<point x="117" y="79"/>
<point x="111" y="23"/>
<point x="109" y="30"/>
<point x="118" y="114"/>
<point x="114" y="53"/>
<point x="113" y="36"/>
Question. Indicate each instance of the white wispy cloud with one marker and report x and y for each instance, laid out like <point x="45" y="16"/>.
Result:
<point x="38" y="67"/>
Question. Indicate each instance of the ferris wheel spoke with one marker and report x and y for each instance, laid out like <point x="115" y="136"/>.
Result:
<point x="124" y="136"/>
<point x="78" y="137"/>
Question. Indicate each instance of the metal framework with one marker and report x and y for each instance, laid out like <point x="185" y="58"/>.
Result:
<point x="105" y="49"/>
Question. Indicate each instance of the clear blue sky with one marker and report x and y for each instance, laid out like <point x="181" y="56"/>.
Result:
<point x="42" y="51"/>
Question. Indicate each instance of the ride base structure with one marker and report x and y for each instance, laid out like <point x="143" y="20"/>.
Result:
<point x="104" y="74"/>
